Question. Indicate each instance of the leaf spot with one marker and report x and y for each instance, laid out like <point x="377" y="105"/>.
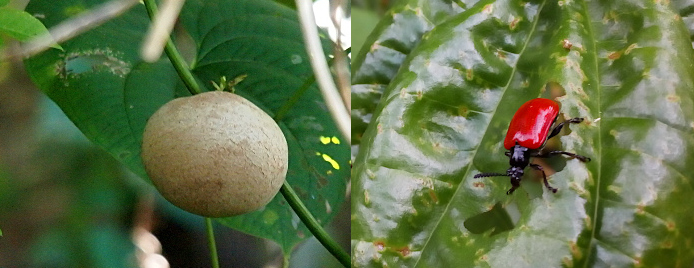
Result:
<point x="488" y="9"/>
<point x="468" y="74"/>
<point x="324" y="140"/>
<point x="433" y="196"/>
<point x="673" y="98"/>
<point x="332" y="162"/>
<point x="405" y="251"/>
<point x="630" y="48"/>
<point x="575" y="250"/>
<point x="514" y="22"/>
<point x="296" y="59"/>
<point x="380" y="246"/>
<point x="614" y="55"/>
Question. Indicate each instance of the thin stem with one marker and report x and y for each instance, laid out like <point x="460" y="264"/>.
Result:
<point x="212" y="244"/>
<point x="177" y="60"/>
<point x="320" y="68"/>
<point x="313" y="225"/>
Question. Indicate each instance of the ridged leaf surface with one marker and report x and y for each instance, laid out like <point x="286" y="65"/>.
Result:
<point x="624" y="66"/>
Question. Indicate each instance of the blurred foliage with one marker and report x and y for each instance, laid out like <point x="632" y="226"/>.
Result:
<point x="19" y="25"/>
<point x="74" y="203"/>
<point x="377" y="6"/>
<point x="363" y="22"/>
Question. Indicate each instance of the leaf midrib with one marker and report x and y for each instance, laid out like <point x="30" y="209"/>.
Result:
<point x="598" y="147"/>
<point x="508" y="83"/>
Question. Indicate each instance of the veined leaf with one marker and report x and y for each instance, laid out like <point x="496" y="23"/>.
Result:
<point x="626" y="67"/>
<point x="386" y="48"/>
<point x="102" y="85"/>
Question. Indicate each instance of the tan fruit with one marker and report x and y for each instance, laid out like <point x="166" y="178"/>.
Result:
<point x="215" y="154"/>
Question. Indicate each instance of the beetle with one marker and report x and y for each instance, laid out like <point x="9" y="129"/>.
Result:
<point x="527" y="134"/>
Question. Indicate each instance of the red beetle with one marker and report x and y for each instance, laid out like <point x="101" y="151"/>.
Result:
<point x="527" y="134"/>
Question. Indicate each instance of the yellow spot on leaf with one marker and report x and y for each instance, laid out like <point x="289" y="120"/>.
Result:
<point x="324" y="140"/>
<point x="270" y="217"/>
<point x="330" y="160"/>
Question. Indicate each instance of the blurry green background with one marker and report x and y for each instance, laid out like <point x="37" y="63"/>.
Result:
<point x="365" y="16"/>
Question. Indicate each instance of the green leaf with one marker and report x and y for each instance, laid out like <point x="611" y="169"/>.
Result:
<point x="102" y="85"/>
<point x="624" y="67"/>
<point x="262" y="40"/>
<point x="384" y="51"/>
<point x="20" y="25"/>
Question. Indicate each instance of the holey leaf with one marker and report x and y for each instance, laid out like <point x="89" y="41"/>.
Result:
<point x="627" y="67"/>
<point x="102" y="85"/>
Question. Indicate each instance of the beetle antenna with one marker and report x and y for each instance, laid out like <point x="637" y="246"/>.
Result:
<point x="483" y="175"/>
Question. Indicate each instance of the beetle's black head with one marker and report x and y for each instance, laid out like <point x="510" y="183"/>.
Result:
<point x="515" y="174"/>
<point x="519" y="159"/>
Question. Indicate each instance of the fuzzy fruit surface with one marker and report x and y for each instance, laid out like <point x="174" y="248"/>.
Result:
<point x="215" y="154"/>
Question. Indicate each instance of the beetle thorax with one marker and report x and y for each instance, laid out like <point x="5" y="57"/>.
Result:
<point x="519" y="157"/>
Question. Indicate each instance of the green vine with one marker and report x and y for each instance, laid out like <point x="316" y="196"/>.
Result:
<point x="176" y="59"/>
<point x="211" y="243"/>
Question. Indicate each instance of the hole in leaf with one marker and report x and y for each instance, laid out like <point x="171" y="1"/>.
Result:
<point x="497" y="219"/>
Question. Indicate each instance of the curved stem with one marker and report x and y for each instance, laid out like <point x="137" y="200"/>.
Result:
<point x="313" y="225"/>
<point x="211" y="243"/>
<point x="177" y="60"/>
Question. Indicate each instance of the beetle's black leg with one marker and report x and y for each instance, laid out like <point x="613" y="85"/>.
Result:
<point x="515" y="183"/>
<point x="544" y="177"/>
<point x="577" y="156"/>
<point x="510" y="191"/>
<point x="557" y="129"/>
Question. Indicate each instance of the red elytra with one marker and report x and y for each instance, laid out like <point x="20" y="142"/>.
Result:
<point x="527" y="133"/>
<point x="531" y="124"/>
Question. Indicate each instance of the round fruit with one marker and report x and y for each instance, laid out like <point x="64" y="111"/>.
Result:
<point x="215" y="154"/>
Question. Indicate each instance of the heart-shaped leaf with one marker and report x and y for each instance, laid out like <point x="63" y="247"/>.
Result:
<point x="623" y="66"/>
<point x="102" y="85"/>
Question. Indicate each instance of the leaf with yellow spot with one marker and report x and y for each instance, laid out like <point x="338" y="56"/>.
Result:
<point x="104" y="87"/>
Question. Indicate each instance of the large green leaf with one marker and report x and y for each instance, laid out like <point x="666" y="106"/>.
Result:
<point x="627" y="67"/>
<point x="385" y="49"/>
<point x="109" y="93"/>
